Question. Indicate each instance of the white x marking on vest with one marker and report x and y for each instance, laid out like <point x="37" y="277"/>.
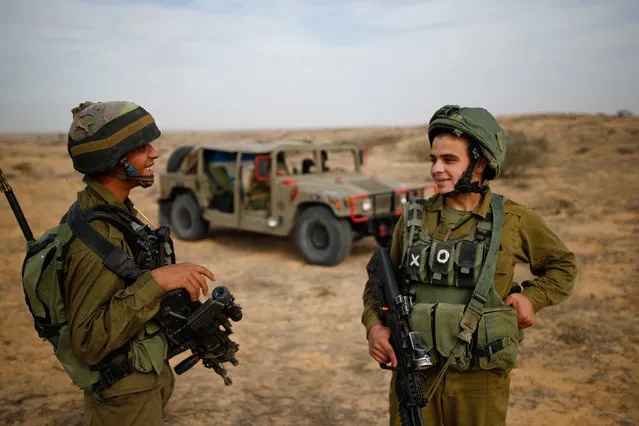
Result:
<point x="414" y="260"/>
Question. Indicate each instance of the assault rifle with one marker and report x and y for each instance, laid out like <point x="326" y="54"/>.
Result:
<point x="202" y="327"/>
<point x="394" y="309"/>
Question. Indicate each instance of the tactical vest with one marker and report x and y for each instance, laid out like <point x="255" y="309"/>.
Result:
<point x="461" y="319"/>
<point x="44" y="284"/>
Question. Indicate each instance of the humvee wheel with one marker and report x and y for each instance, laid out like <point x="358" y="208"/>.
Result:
<point x="186" y="218"/>
<point x="321" y="238"/>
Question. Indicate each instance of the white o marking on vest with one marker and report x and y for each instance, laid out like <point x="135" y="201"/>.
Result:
<point x="443" y="256"/>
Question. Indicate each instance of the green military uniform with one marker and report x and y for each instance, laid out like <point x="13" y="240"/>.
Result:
<point x="97" y="331"/>
<point x="525" y="238"/>
<point x="474" y="390"/>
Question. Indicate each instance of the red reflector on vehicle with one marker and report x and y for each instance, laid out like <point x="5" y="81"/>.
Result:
<point x="383" y="230"/>
<point x="293" y="193"/>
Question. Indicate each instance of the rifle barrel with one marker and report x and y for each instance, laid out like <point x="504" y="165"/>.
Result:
<point x="15" y="207"/>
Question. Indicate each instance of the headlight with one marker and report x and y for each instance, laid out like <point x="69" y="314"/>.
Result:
<point x="403" y="199"/>
<point x="366" y="205"/>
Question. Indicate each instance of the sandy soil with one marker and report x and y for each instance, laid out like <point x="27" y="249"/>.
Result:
<point x="303" y="355"/>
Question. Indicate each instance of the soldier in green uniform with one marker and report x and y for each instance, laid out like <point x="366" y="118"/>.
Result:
<point x="456" y="253"/>
<point x="111" y="324"/>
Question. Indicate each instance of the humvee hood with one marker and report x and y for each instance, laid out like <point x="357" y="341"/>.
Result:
<point x="344" y="185"/>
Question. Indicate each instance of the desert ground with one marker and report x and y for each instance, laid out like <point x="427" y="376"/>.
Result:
<point x="303" y="353"/>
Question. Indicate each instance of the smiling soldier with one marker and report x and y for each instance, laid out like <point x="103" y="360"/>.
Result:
<point x="456" y="253"/>
<point x="115" y="351"/>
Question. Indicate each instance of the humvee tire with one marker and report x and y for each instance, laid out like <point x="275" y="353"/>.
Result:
<point x="321" y="238"/>
<point x="186" y="218"/>
<point x="165" y="212"/>
<point x="175" y="160"/>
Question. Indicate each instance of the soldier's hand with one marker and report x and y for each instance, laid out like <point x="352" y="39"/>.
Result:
<point x="379" y="345"/>
<point x="188" y="276"/>
<point x="525" y="311"/>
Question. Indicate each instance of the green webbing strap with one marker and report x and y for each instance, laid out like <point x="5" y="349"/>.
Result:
<point x="473" y="311"/>
<point x="414" y="221"/>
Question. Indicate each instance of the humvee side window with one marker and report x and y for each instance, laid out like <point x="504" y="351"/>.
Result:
<point x="341" y="161"/>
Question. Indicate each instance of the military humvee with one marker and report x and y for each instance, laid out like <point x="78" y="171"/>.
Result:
<point x="325" y="208"/>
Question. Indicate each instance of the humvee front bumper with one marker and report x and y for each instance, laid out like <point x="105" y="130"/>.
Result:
<point x="385" y="209"/>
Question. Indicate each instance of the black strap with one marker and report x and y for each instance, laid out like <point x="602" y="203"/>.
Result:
<point x="488" y="350"/>
<point x="113" y="257"/>
<point x="112" y="371"/>
<point x="125" y="228"/>
<point x="45" y="328"/>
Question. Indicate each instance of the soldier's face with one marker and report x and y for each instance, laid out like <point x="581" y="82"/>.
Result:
<point x="142" y="159"/>
<point x="449" y="160"/>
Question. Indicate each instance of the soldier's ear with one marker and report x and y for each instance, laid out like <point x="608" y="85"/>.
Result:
<point x="481" y="165"/>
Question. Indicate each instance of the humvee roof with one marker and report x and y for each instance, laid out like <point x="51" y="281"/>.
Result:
<point x="256" y="147"/>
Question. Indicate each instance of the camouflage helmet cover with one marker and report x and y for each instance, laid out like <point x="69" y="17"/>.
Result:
<point x="476" y="124"/>
<point x="102" y="133"/>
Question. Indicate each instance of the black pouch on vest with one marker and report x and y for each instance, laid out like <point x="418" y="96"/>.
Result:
<point x="441" y="263"/>
<point x="469" y="256"/>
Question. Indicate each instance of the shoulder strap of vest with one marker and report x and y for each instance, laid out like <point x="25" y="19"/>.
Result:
<point x="473" y="311"/>
<point x="122" y="224"/>
<point x="113" y="257"/>
<point x="413" y="223"/>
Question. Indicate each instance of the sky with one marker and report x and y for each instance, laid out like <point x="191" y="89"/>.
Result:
<point x="263" y="64"/>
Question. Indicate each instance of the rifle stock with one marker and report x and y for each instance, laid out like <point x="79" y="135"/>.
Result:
<point x="394" y="310"/>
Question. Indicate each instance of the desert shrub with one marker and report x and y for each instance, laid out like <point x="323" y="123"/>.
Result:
<point x="524" y="153"/>
<point x="24" y="166"/>
<point x="572" y="334"/>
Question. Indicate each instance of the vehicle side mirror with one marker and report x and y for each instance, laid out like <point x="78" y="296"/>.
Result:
<point x="362" y="155"/>
<point x="262" y="167"/>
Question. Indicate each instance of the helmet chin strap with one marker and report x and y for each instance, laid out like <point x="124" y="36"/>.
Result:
<point x="131" y="174"/>
<point x="464" y="185"/>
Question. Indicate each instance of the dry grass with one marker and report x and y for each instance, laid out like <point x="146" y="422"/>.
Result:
<point x="524" y="154"/>
<point x="303" y="357"/>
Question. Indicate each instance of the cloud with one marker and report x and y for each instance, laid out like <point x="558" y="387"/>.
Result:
<point x="290" y="63"/>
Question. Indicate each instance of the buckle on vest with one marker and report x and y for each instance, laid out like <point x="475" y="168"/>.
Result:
<point x="480" y="298"/>
<point x="111" y="374"/>
<point x="490" y="349"/>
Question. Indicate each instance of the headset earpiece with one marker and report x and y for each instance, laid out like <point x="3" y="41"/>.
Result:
<point x="129" y="169"/>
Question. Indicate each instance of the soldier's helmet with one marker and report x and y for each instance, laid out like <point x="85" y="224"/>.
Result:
<point x="478" y="125"/>
<point x="103" y="132"/>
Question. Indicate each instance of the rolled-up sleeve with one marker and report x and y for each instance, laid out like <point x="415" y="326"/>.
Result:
<point x="552" y="263"/>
